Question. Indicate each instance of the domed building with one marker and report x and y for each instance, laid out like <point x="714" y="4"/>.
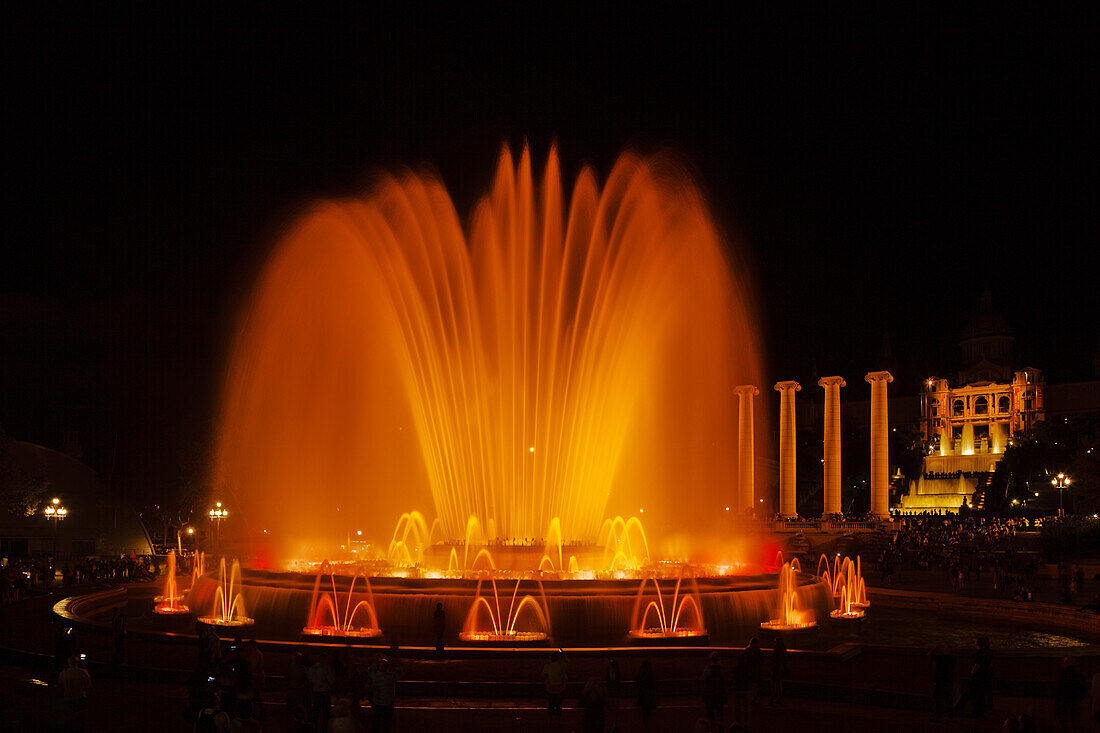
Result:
<point x="986" y="346"/>
<point x="969" y="426"/>
<point x="94" y="523"/>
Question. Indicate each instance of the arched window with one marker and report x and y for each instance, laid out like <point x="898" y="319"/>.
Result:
<point x="981" y="406"/>
<point x="958" y="407"/>
<point x="1004" y="403"/>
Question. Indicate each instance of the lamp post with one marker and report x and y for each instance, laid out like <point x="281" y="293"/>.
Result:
<point x="217" y="514"/>
<point x="1060" y="482"/>
<point x="55" y="513"/>
<point x="179" y="541"/>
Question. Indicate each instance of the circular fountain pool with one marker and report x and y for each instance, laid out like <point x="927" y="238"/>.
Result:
<point x="572" y="613"/>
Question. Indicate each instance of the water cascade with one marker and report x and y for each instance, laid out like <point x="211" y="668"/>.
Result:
<point x="502" y="628"/>
<point x="327" y="619"/>
<point x="670" y="622"/>
<point x="228" y="609"/>
<point x="529" y="368"/>
<point x="790" y="617"/>
<point x="169" y="603"/>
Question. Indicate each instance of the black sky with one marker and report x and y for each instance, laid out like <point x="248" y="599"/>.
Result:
<point x="877" y="171"/>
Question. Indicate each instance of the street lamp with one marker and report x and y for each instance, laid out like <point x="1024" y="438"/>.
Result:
<point x="179" y="541"/>
<point x="1060" y="482"/>
<point x="55" y="512"/>
<point x="217" y="514"/>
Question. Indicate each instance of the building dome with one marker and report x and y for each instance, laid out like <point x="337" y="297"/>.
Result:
<point x="97" y="523"/>
<point x="986" y="346"/>
<point x="987" y="322"/>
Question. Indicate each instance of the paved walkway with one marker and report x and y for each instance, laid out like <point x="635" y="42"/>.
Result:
<point x="892" y="687"/>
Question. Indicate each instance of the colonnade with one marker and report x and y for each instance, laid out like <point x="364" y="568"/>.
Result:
<point x="788" y="494"/>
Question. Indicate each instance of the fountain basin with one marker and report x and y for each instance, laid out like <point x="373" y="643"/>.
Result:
<point x="339" y="633"/>
<point x="847" y="615"/>
<point x="581" y="612"/>
<point x="489" y="637"/>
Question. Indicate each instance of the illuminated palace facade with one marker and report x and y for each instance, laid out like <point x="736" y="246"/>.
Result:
<point x="967" y="427"/>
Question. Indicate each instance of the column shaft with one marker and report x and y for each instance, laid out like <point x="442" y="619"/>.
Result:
<point x="831" y="465"/>
<point x="746" y="455"/>
<point x="788" y="493"/>
<point x="880" y="444"/>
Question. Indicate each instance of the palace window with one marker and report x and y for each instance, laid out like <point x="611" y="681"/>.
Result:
<point x="1004" y="404"/>
<point x="981" y="406"/>
<point x="958" y="407"/>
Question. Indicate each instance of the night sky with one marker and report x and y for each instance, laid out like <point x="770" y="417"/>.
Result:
<point x="874" y="173"/>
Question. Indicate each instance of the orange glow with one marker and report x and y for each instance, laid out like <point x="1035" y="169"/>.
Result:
<point x="390" y="358"/>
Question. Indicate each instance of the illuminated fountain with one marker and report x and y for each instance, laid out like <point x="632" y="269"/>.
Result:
<point x="845" y="573"/>
<point x="846" y="584"/>
<point x="530" y="366"/>
<point x="502" y="628"/>
<point x="228" y="607"/>
<point x="169" y="603"/>
<point x="531" y="380"/>
<point x="326" y="619"/>
<point x="791" y="617"/>
<point x="671" y="623"/>
<point x="198" y="569"/>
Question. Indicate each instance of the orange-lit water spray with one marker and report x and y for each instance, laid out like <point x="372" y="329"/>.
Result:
<point x="326" y="618"/>
<point x="790" y="617"/>
<point x="564" y="353"/>
<point x="198" y="569"/>
<point x="849" y="592"/>
<point x="228" y="609"/>
<point x="671" y="623"/>
<point x="502" y="627"/>
<point x="169" y="603"/>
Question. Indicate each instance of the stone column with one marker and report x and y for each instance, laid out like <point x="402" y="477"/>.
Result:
<point x="831" y="468"/>
<point x="788" y="497"/>
<point x="880" y="444"/>
<point x="746" y="496"/>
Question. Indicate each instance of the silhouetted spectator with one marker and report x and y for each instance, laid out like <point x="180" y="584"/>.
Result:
<point x="778" y="670"/>
<point x="613" y="681"/>
<point x="980" y="690"/>
<point x="439" y="625"/>
<point x="647" y="692"/>
<point x="211" y="718"/>
<point x="342" y="721"/>
<point x="1069" y="694"/>
<point x="1096" y="695"/>
<point x="383" y="684"/>
<point x="944" y="690"/>
<point x="243" y="721"/>
<point x="743" y="686"/>
<point x="321" y="680"/>
<point x="118" y="628"/>
<point x="75" y="685"/>
<point x="554" y="676"/>
<point x="593" y="702"/>
<point x="297" y="684"/>
<point x="714" y="690"/>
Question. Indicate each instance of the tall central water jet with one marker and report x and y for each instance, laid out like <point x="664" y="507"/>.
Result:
<point x="561" y="358"/>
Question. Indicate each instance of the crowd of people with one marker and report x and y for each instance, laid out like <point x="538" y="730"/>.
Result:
<point x="22" y="577"/>
<point x="338" y="693"/>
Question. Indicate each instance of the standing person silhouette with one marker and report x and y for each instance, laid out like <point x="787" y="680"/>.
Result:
<point x="118" y="628"/>
<point x="554" y="676"/>
<point x="439" y="625"/>
<point x="647" y="692"/>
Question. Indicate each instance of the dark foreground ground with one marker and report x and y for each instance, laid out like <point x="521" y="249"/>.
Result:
<point x="868" y="689"/>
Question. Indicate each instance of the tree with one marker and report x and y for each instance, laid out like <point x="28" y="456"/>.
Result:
<point x="21" y="492"/>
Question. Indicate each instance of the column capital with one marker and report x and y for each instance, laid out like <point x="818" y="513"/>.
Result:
<point x="784" y="386"/>
<point x="879" y="377"/>
<point x="746" y="389"/>
<point x="830" y="381"/>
